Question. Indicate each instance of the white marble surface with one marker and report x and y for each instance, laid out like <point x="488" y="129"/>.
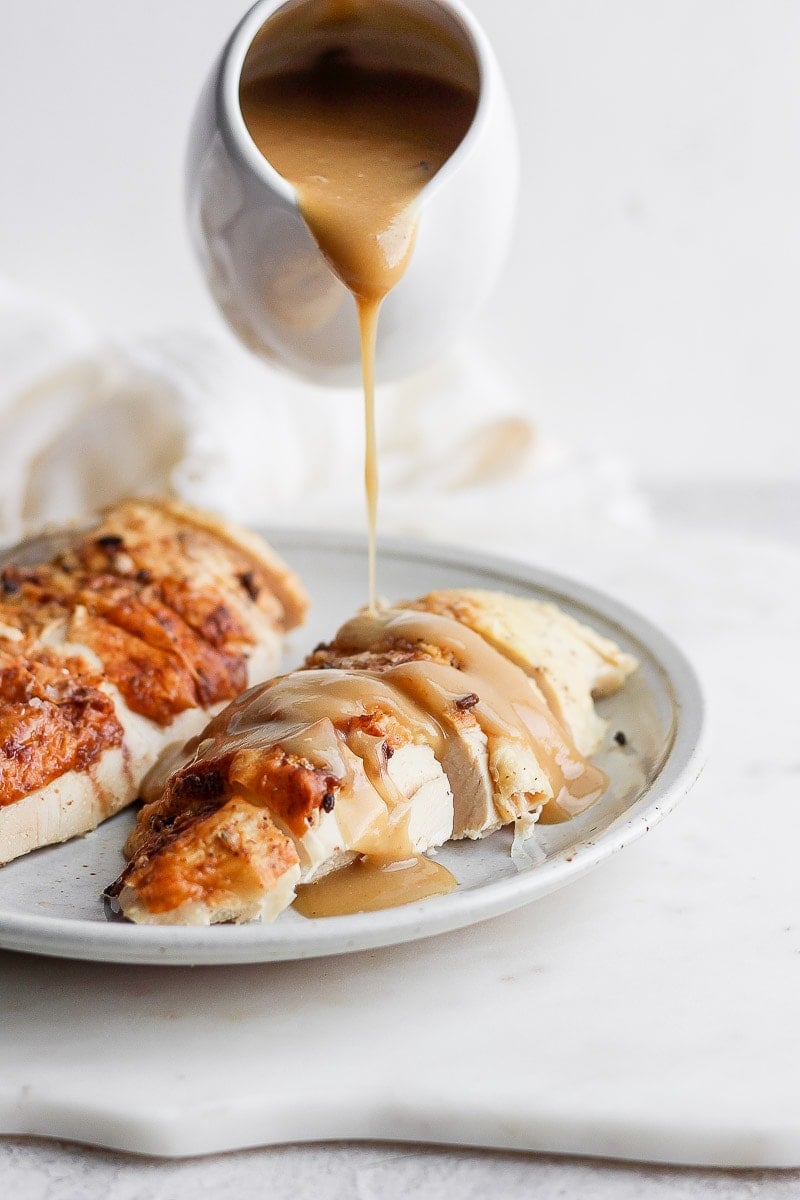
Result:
<point x="661" y="990"/>
<point x="44" y="1171"/>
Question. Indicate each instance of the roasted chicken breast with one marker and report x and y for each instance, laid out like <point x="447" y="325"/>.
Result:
<point x="127" y="639"/>
<point x="445" y="718"/>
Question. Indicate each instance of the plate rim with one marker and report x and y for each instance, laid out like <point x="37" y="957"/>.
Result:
<point x="67" y="937"/>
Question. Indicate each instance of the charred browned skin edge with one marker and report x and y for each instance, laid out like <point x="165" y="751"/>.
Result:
<point x="192" y="794"/>
<point x="159" y="663"/>
<point x="233" y="863"/>
<point x="204" y="613"/>
<point x="383" y="655"/>
<point x="292" y="791"/>
<point x="292" y="788"/>
<point x="262" y="574"/>
<point x="374" y="724"/>
<point x="160" y="838"/>
<point x="67" y="727"/>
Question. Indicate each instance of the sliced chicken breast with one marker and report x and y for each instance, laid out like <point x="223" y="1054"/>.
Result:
<point x="124" y="640"/>
<point x="571" y="663"/>
<point x="530" y="759"/>
<point x="408" y="728"/>
<point x="352" y="782"/>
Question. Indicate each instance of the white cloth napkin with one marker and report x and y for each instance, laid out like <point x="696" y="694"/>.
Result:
<point x="85" y="421"/>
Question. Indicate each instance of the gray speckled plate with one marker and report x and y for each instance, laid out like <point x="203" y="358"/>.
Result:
<point x="50" y="900"/>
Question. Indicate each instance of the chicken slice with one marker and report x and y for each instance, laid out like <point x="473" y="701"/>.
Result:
<point x="508" y="754"/>
<point x="393" y="738"/>
<point x="352" y="782"/>
<point x="456" y="740"/>
<point x="231" y="863"/>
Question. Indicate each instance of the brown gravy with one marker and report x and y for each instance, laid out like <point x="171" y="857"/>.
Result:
<point x="359" y="136"/>
<point x="358" y="104"/>
<point x="508" y="705"/>
<point x="367" y="885"/>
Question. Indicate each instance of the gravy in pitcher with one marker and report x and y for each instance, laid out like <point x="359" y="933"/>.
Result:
<point x="358" y="123"/>
<point x="358" y="103"/>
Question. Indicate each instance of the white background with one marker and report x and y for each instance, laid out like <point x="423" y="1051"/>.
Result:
<point x="652" y="301"/>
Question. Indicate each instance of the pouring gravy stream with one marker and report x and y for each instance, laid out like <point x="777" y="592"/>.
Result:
<point x="359" y="136"/>
<point x="359" y="133"/>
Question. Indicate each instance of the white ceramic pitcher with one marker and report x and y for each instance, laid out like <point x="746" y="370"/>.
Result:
<point x="263" y="266"/>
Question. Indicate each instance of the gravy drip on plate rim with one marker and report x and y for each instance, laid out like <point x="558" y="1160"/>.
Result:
<point x="358" y="103"/>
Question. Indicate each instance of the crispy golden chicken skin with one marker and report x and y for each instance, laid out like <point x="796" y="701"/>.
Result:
<point x="126" y="639"/>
